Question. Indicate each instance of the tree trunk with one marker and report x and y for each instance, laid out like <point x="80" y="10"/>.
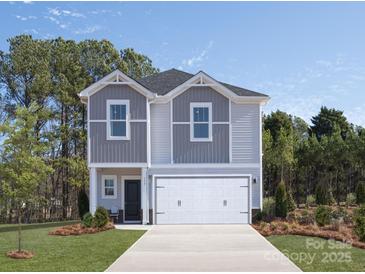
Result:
<point x="19" y="231"/>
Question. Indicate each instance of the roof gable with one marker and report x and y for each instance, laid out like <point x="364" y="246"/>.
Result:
<point x="115" y="78"/>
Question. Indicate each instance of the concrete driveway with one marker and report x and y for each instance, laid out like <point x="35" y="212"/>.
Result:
<point x="202" y="248"/>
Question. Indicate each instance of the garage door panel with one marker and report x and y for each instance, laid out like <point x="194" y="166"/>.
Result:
<point x="202" y="200"/>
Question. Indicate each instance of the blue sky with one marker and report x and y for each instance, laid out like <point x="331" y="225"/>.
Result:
<point x="303" y="55"/>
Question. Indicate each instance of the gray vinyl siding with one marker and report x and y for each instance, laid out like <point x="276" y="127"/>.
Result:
<point x="117" y="202"/>
<point x="118" y="151"/>
<point x="137" y="102"/>
<point x="160" y="134"/>
<point x="245" y="133"/>
<point x="186" y="151"/>
<point x="254" y="172"/>
<point x="181" y="104"/>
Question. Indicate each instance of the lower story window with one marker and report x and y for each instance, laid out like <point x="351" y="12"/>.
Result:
<point x="109" y="187"/>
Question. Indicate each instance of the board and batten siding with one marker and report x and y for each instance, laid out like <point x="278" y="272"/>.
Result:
<point x="245" y="133"/>
<point x="133" y="150"/>
<point x="118" y="151"/>
<point x="185" y="151"/>
<point x="160" y="134"/>
<point x="181" y="104"/>
<point x="137" y="102"/>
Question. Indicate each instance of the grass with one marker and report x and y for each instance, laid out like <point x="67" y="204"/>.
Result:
<point x="13" y="227"/>
<point x="320" y="255"/>
<point x="92" y="252"/>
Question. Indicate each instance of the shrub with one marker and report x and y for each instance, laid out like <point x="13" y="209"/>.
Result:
<point x="88" y="219"/>
<point x="360" y="193"/>
<point x="292" y="217"/>
<point x="83" y="203"/>
<point x="351" y="199"/>
<point x="268" y="209"/>
<point x="359" y="223"/>
<point x="291" y="202"/>
<point x="324" y="195"/>
<point x="311" y="200"/>
<point x="323" y="215"/>
<point x="101" y="217"/>
<point x="341" y="214"/>
<point x="281" y="203"/>
<point x="306" y="218"/>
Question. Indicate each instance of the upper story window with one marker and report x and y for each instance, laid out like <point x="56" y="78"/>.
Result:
<point x="117" y="119"/>
<point x="109" y="187"/>
<point x="201" y="122"/>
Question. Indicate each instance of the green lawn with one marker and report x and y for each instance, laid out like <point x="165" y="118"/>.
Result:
<point x="93" y="252"/>
<point x="316" y="254"/>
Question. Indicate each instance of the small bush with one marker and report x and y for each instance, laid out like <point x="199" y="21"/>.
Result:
<point x="359" y="223"/>
<point x="306" y="218"/>
<point x="291" y="202"/>
<point x="360" y="193"/>
<point x="292" y="217"/>
<point x="281" y="202"/>
<point x="268" y="209"/>
<point x="342" y="215"/>
<point x="351" y="199"/>
<point x="101" y="217"/>
<point x="88" y="219"/>
<point x="311" y="200"/>
<point x="324" y="195"/>
<point x="323" y="215"/>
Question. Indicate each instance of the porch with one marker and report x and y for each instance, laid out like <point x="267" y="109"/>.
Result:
<point x="122" y="191"/>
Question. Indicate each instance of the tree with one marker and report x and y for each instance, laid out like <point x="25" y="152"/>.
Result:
<point x="284" y="150"/>
<point x="25" y="72"/>
<point x="136" y="65"/>
<point x="327" y="120"/>
<point x="281" y="202"/>
<point x="23" y="160"/>
<point x="360" y="193"/>
<point x="276" y="121"/>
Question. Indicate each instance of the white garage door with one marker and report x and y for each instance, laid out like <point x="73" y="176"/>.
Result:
<point x="201" y="200"/>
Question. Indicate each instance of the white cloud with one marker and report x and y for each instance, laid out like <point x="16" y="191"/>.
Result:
<point x="59" y="12"/>
<point x="25" y="18"/>
<point x="88" y="30"/>
<point x="198" y="59"/>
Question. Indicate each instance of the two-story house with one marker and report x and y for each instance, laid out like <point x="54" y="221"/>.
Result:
<point x="174" y="148"/>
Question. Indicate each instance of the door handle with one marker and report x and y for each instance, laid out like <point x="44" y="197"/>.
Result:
<point x="224" y="202"/>
<point x="179" y="203"/>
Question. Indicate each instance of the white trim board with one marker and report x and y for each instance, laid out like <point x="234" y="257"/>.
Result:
<point x="209" y="122"/>
<point x="126" y="120"/>
<point x="120" y="78"/>
<point x="117" y="165"/>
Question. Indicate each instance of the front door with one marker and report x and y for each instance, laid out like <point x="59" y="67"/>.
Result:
<point x="132" y="198"/>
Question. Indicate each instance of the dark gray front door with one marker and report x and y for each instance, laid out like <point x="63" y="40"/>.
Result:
<point x="132" y="198"/>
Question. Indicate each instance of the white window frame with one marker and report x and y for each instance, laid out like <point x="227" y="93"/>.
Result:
<point x="115" y="180"/>
<point x="108" y="120"/>
<point x="206" y="105"/>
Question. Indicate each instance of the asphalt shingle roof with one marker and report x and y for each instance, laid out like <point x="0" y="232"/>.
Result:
<point x="163" y="82"/>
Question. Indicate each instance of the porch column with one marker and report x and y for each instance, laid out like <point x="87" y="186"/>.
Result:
<point x="93" y="189"/>
<point x="144" y="195"/>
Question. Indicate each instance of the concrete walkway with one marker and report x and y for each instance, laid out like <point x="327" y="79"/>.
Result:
<point x="202" y="248"/>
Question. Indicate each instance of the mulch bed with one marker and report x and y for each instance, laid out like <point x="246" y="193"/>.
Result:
<point x="79" y="229"/>
<point x="343" y="234"/>
<point x="23" y="254"/>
